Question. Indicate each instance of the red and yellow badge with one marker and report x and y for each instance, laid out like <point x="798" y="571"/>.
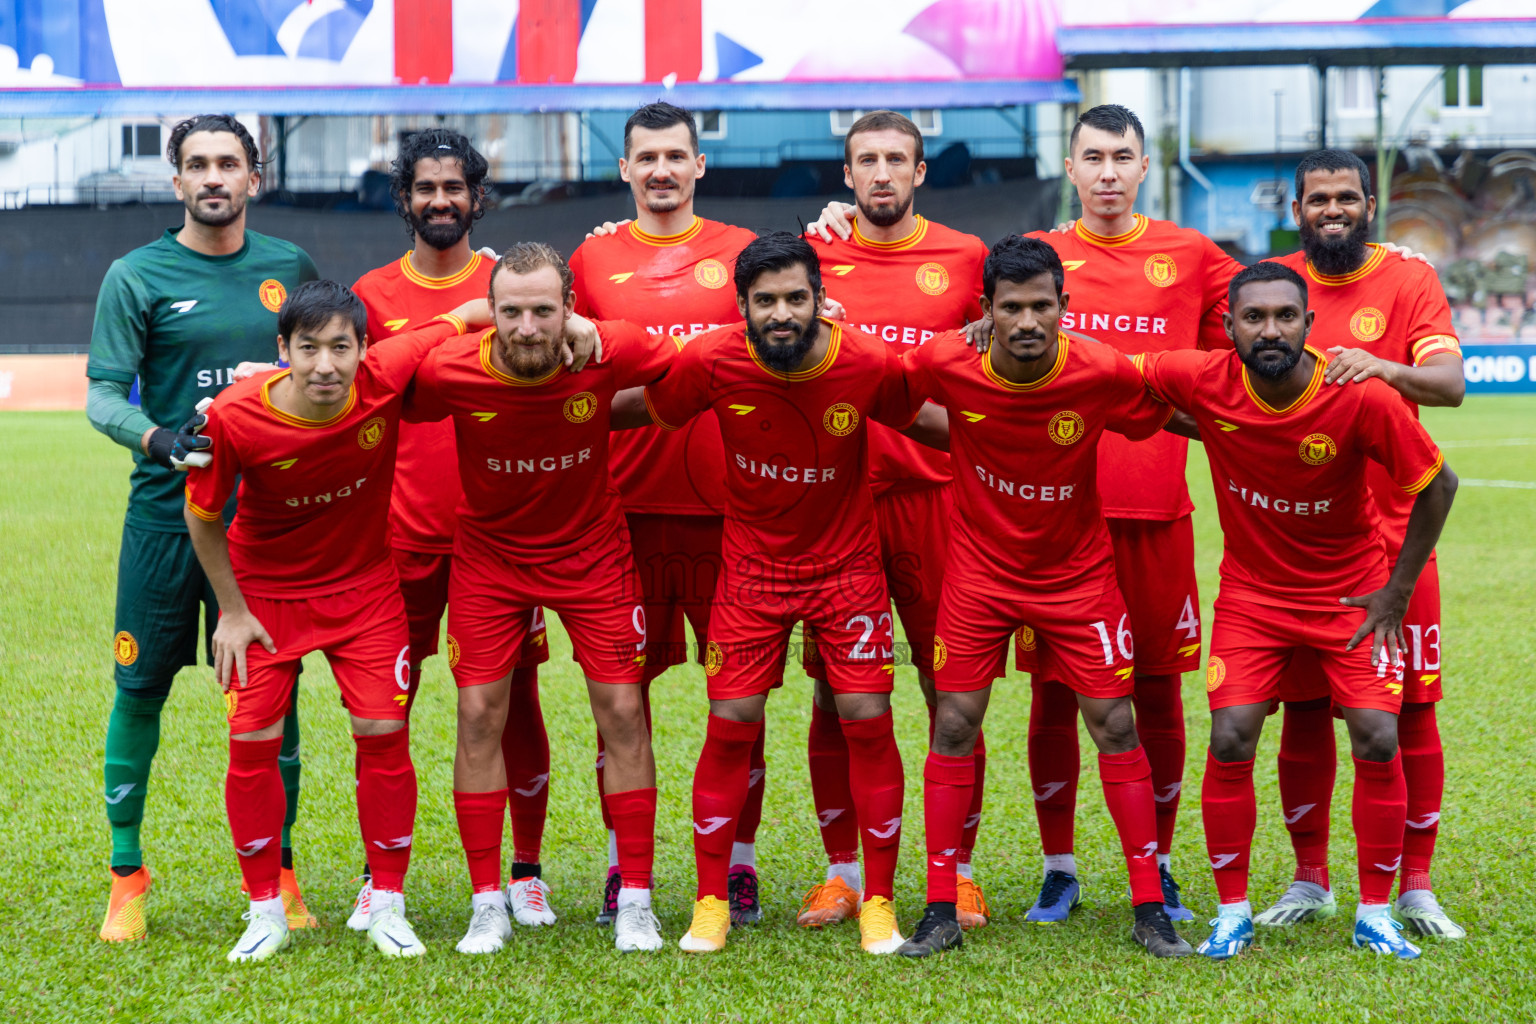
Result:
<point x="1368" y="323"/>
<point x="1317" y="449"/>
<point x="580" y="408"/>
<point x="841" y="419"/>
<point x="272" y="293"/>
<point x="453" y="651"/>
<point x="714" y="659"/>
<point x="231" y="703"/>
<point x="1215" y="674"/>
<point x="940" y="653"/>
<point x="1160" y="269"/>
<point x="711" y="273"/>
<point x="932" y="279"/>
<point x="1025" y="636"/>
<point x="1066" y="427"/>
<point x="371" y="433"/>
<point x="125" y="648"/>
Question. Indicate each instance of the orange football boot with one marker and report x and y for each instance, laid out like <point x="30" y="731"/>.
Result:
<point x="125" y="908"/>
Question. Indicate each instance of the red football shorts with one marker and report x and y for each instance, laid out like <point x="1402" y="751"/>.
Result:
<point x="363" y="635"/>
<point x="1252" y="644"/>
<point x="913" y="527"/>
<point x="1155" y="567"/>
<point x="678" y="558"/>
<point x="424" y="586"/>
<point x="750" y="630"/>
<point x="1303" y="679"/>
<point x="494" y="604"/>
<point x="1083" y="640"/>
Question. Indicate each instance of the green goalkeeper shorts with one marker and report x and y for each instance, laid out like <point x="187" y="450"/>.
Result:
<point x="162" y="596"/>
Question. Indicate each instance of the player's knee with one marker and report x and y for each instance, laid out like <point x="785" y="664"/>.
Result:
<point x="376" y="726"/>
<point x="1232" y="738"/>
<point x="1373" y="737"/>
<point x="954" y="729"/>
<point x="859" y="706"/>
<point x="482" y="715"/>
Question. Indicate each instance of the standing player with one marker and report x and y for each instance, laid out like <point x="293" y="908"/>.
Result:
<point x="903" y="279"/>
<point x="670" y="271"/>
<point x="438" y="182"/>
<point x="541" y="526"/>
<point x="305" y="567"/>
<point x="1289" y="457"/>
<point x="793" y="393"/>
<point x="1388" y="319"/>
<point x="1031" y="549"/>
<point x="178" y="315"/>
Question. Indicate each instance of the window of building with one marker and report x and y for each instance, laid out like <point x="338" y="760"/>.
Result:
<point x="842" y="120"/>
<point x="711" y="124"/>
<point x="1356" y="92"/>
<point x="141" y="140"/>
<point x="929" y="121"/>
<point x="1463" y="85"/>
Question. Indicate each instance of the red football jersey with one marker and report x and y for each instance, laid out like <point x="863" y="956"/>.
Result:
<point x="1027" y="518"/>
<point x="798" y="506"/>
<point x="672" y="285"/>
<point x="1300" y="526"/>
<point x="1156" y="288"/>
<point x="904" y="292"/>
<point x="314" y="496"/>
<point x="422" y="509"/>
<point x="533" y="455"/>
<point x="1393" y="308"/>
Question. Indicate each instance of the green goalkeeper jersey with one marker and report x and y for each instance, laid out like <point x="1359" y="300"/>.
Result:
<point x="180" y="322"/>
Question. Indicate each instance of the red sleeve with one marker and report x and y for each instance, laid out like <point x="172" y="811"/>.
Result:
<point x="1133" y="410"/>
<point x="638" y="357"/>
<point x="1391" y="435"/>
<point x="896" y="405"/>
<point x="684" y="392"/>
<point x="423" y="399"/>
<point x="394" y="361"/>
<point x="209" y="487"/>
<point x="1171" y="376"/>
<point x="1217" y="273"/>
<point x="578" y="266"/>
<point x="1432" y="331"/>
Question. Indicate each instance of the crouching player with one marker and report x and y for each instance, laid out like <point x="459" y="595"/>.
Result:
<point x="1030" y="547"/>
<point x="304" y="567"/>
<point x="1305" y="556"/>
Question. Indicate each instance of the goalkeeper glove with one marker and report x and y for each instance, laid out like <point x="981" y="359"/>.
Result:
<point x="183" y="447"/>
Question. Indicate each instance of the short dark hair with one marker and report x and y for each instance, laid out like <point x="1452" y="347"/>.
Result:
<point x="656" y="116"/>
<point x="211" y="123"/>
<point x="1332" y="160"/>
<point x="1112" y="118"/>
<point x="310" y="306"/>
<point x="526" y="257"/>
<point x="1019" y="259"/>
<point x="776" y="250"/>
<point x="1268" y="270"/>
<point x="437" y="143"/>
<point x="879" y="121"/>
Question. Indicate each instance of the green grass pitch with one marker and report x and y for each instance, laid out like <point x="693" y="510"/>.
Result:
<point x="62" y="489"/>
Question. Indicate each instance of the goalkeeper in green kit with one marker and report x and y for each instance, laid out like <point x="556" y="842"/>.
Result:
<point x="178" y="314"/>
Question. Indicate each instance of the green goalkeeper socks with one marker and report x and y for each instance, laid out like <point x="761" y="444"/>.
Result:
<point x="288" y="764"/>
<point x="133" y="734"/>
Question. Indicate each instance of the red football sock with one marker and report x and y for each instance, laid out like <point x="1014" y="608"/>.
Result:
<point x="1308" y="762"/>
<point x="1230" y="813"/>
<point x="1418" y="740"/>
<point x="947" y="784"/>
<point x="1127" y="782"/>
<point x="525" y="749"/>
<point x="752" y="810"/>
<point x="1054" y="763"/>
<point x="255" y="802"/>
<point x="1160" y="724"/>
<point x="828" y="752"/>
<point x="973" y="813"/>
<point x="1379" y="812"/>
<point x="386" y="805"/>
<point x="602" y="753"/>
<point x="719" y="790"/>
<point x="480" y="816"/>
<point x="634" y="821"/>
<point x="877" y="782"/>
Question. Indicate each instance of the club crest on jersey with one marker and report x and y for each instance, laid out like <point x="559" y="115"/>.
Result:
<point x="1025" y="635"/>
<point x="1317" y="449"/>
<point x="940" y="653"/>
<point x="711" y="273"/>
<point x="1066" y="427"/>
<point x="1160" y="269"/>
<point x="1215" y="674"/>
<point x="453" y="651"/>
<point x="932" y="279"/>
<point x="841" y="419"/>
<point x="231" y="703"/>
<point x="1368" y="323"/>
<point x="125" y="648"/>
<point x="714" y="659"/>
<point x="371" y="433"/>
<point x="272" y="293"/>
<point x="580" y="408"/>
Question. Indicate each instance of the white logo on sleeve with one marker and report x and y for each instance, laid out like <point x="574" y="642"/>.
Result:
<point x="184" y="306"/>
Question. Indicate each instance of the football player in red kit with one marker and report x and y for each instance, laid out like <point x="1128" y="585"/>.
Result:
<point x="1289" y="458"/>
<point x="1387" y="319"/>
